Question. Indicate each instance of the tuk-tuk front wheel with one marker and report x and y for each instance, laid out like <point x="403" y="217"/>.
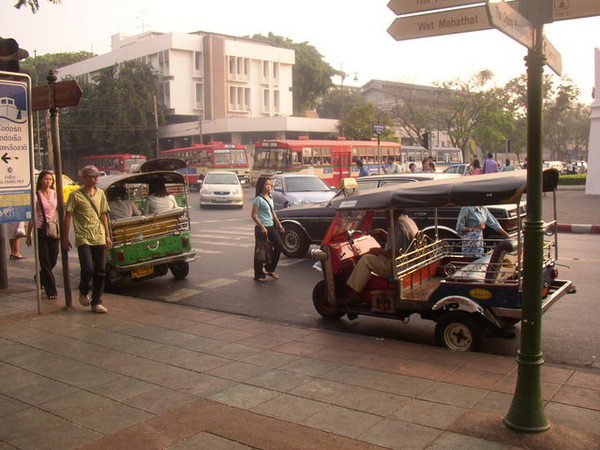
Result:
<point x="179" y="269"/>
<point x="326" y="310"/>
<point x="459" y="331"/>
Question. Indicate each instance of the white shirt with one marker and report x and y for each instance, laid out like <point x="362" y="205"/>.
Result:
<point x="159" y="204"/>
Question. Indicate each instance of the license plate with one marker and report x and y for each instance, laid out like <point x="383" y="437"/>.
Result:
<point x="142" y="272"/>
<point x="222" y="199"/>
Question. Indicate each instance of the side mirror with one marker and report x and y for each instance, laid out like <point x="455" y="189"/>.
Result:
<point x="278" y="189"/>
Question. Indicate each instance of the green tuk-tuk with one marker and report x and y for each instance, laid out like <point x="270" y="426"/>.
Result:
<point x="150" y="244"/>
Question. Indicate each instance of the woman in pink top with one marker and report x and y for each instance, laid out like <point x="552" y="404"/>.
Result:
<point x="47" y="246"/>
<point x="475" y="168"/>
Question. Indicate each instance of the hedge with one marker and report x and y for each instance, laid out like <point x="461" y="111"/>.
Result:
<point x="572" y="179"/>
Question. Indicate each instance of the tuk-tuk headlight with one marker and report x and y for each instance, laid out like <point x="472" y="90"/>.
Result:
<point x="185" y="241"/>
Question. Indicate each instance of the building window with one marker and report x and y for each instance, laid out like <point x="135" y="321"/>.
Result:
<point x="276" y="101"/>
<point x="164" y="90"/>
<point x="198" y="61"/>
<point x="232" y="97"/>
<point x="266" y="100"/>
<point x="199" y="96"/>
<point x="276" y="72"/>
<point x="247" y="98"/>
<point x="163" y="62"/>
<point x="266" y="71"/>
<point x="246" y="68"/>
<point x="231" y="66"/>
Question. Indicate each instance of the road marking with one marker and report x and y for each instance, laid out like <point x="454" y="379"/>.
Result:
<point x="224" y="244"/>
<point x="214" y="252"/>
<point x="218" y="236"/>
<point x="290" y="262"/>
<point x="246" y="273"/>
<point x="216" y="283"/>
<point x="180" y="294"/>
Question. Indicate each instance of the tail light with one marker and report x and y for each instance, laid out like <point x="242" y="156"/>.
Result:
<point x="185" y="240"/>
<point x="554" y="273"/>
<point x="120" y="256"/>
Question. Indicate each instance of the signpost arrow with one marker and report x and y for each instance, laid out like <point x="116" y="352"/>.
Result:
<point x="67" y="94"/>
<point x="411" y="6"/>
<point x="6" y="158"/>
<point x="553" y="58"/>
<point x="440" y="23"/>
<point x="573" y="9"/>
<point x="511" y="23"/>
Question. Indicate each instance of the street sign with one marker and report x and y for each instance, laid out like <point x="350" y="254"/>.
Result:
<point x="67" y="94"/>
<point x="378" y="128"/>
<point x="412" y="6"/>
<point x="440" y="23"/>
<point x="15" y="152"/>
<point x="573" y="9"/>
<point x="511" y="23"/>
<point x="553" y="58"/>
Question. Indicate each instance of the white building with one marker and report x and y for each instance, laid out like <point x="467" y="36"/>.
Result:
<point x="592" y="185"/>
<point x="212" y="78"/>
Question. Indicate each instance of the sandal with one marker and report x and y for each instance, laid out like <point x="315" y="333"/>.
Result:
<point x="17" y="257"/>
<point x="261" y="280"/>
<point x="52" y="297"/>
<point x="273" y="275"/>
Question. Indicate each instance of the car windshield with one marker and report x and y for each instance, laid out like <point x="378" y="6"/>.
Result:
<point x="305" y="184"/>
<point x="221" y="178"/>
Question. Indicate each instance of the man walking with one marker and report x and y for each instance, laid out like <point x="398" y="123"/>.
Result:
<point x="490" y="165"/>
<point x="89" y="210"/>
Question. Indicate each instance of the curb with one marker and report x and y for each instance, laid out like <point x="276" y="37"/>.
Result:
<point x="578" y="228"/>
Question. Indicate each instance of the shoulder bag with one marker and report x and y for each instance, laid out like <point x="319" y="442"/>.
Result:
<point x="264" y="249"/>
<point x="50" y="228"/>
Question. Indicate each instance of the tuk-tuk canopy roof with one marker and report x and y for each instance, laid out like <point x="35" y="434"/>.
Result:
<point x="161" y="164"/>
<point x="489" y="189"/>
<point x="167" y="177"/>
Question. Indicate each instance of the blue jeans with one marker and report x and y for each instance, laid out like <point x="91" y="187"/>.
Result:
<point x="92" y="261"/>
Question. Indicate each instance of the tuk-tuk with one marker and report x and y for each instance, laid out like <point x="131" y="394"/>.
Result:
<point x="148" y="245"/>
<point x="464" y="295"/>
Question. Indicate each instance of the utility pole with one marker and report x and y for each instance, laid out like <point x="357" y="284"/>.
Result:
<point x="156" y="138"/>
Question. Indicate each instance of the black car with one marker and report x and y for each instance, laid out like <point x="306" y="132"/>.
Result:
<point x="307" y="224"/>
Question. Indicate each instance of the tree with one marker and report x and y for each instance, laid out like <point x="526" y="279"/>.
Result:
<point x="311" y="74"/>
<point x="473" y="112"/>
<point x="33" y="4"/>
<point x="115" y="114"/>
<point x="336" y="102"/>
<point x="566" y="121"/>
<point x="415" y="115"/>
<point x="39" y="66"/>
<point x="358" y="123"/>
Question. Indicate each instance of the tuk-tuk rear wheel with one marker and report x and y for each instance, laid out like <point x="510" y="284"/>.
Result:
<point x="459" y="331"/>
<point x="179" y="269"/>
<point x="326" y="310"/>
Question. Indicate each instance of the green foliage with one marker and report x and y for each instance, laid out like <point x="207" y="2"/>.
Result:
<point x="115" y="115"/>
<point x="577" y="179"/>
<point x="33" y="4"/>
<point x="358" y="123"/>
<point x="38" y="67"/>
<point x="336" y="102"/>
<point x="311" y="74"/>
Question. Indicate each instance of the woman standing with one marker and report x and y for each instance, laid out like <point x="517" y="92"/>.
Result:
<point x="47" y="246"/>
<point x="475" y="168"/>
<point x="267" y="229"/>
<point x="470" y="224"/>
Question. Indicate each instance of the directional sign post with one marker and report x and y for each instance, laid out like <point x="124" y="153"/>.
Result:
<point x="526" y="412"/>
<point x="67" y="93"/>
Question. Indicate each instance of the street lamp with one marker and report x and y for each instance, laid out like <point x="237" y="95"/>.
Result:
<point x="343" y="76"/>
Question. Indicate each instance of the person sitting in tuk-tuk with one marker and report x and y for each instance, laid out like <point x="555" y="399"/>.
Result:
<point x="120" y="206"/>
<point x="158" y="201"/>
<point x="379" y="260"/>
<point x="470" y="224"/>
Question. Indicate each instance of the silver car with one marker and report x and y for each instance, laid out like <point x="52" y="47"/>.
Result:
<point x="221" y="188"/>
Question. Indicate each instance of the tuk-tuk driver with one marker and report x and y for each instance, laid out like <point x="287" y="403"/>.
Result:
<point x="379" y="260"/>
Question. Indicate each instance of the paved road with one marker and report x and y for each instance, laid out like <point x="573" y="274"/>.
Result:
<point x="221" y="279"/>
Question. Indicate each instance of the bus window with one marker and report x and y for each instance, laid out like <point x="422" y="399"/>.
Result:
<point x="260" y="157"/>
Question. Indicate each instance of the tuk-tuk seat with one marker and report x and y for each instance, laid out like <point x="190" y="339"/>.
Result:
<point x="474" y="271"/>
<point x="136" y="220"/>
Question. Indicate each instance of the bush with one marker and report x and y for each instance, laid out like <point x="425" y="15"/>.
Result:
<point x="572" y="179"/>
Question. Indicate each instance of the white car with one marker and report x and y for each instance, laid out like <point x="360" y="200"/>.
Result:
<point x="221" y="188"/>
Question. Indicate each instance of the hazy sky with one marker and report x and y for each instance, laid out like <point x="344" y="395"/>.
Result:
<point x="351" y="35"/>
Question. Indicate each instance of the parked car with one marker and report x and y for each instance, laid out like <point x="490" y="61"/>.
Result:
<point x="221" y="188"/>
<point x="461" y="169"/>
<point x="307" y="224"/>
<point x="299" y="189"/>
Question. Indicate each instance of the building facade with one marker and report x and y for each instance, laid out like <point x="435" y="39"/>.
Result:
<point x="207" y="79"/>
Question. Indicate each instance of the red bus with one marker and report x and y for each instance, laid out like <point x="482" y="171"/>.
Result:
<point x="202" y="158"/>
<point x="114" y="163"/>
<point x="331" y="160"/>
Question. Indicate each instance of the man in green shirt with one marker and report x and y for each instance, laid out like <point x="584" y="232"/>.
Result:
<point x="88" y="209"/>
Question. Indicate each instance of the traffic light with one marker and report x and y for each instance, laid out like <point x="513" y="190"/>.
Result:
<point x="10" y="55"/>
<point x="425" y="137"/>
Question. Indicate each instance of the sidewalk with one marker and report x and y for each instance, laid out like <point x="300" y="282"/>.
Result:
<point x="577" y="212"/>
<point x="157" y="375"/>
